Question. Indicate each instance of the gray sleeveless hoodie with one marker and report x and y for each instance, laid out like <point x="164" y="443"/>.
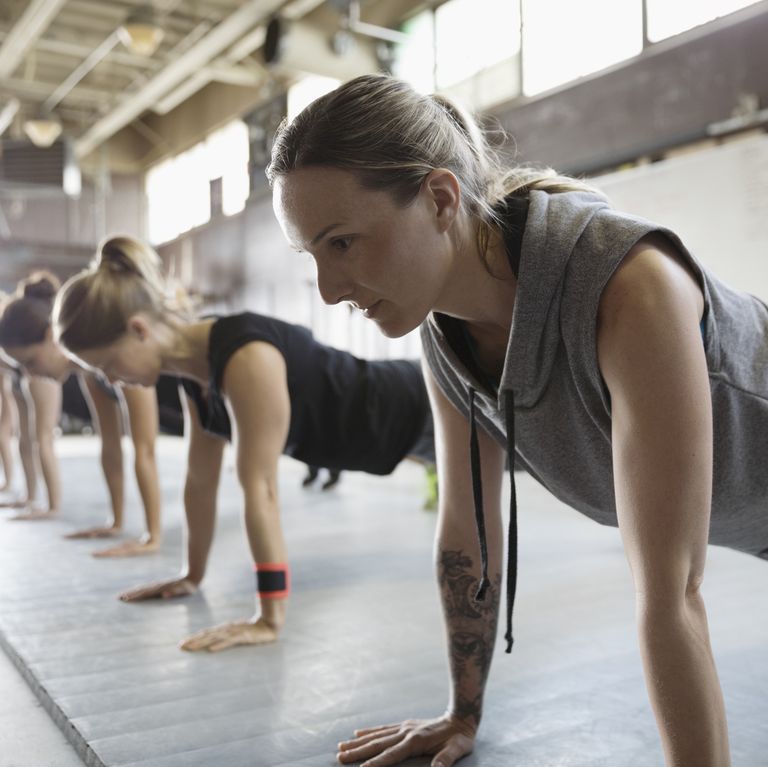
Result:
<point x="572" y="244"/>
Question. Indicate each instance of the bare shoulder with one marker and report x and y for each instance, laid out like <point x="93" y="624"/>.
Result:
<point x="255" y="382"/>
<point x="651" y="275"/>
<point x="255" y="364"/>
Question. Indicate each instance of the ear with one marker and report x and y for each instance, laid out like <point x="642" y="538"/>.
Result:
<point x="138" y="327"/>
<point x="444" y="195"/>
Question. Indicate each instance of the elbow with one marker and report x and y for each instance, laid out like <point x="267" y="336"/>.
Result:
<point x="144" y="453"/>
<point x="261" y="492"/>
<point x="44" y="437"/>
<point x="668" y="607"/>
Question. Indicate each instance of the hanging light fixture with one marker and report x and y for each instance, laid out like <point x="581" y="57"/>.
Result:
<point x="42" y="130"/>
<point x="140" y="33"/>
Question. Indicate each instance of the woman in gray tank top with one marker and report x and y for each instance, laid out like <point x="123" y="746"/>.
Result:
<point x="600" y="357"/>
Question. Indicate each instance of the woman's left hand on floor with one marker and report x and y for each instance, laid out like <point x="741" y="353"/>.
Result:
<point x="34" y="512"/>
<point x="129" y="549"/>
<point x="231" y="635"/>
<point x="107" y="531"/>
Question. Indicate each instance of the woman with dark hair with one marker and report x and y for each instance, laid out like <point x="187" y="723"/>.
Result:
<point x="26" y="337"/>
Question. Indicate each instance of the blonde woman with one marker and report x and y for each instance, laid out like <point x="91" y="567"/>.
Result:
<point x="584" y="344"/>
<point x="26" y="337"/>
<point x="267" y="384"/>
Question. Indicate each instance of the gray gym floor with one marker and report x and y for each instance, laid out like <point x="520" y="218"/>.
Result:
<point x="363" y="644"/>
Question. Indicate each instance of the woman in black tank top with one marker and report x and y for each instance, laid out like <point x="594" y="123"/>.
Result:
<point x="284" y="391"/>
<point x="26" y="336"/>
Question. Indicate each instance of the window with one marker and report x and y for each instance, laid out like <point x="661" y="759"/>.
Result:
<point x="564" y="40"/>
<point x="178" y="189"/>
<point x="415" y="59"/>
<point x="306" y="90"/>
<point x="472" y="35"/>
<point x="227" y="157"/>
<point x="666" y="19"/>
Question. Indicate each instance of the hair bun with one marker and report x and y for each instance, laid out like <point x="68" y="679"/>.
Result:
<point x="42" y="286"/>
<point x="117" y="254"/>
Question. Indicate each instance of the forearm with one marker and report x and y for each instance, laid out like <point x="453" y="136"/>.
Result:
<point x="470" y="625"/>
<point x="683" y="685"/>
<point x="50" y="468"/>
<point x="149" y="488"/>
<point x="200" y="509"/>
<point x="265" y="538"/>
<point x="27" y="449"/>
<point x="112" y="466"/>
<point x="28" y="464"/>
<point x="6" y="434"/>
<point x="6" y="456"/>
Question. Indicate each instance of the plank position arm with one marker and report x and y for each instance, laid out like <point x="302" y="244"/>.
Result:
<point x="204" y="460"/>
<point x="652" y="358"/>
<point x="470" y="626"/>
<point x="256" y="386"/>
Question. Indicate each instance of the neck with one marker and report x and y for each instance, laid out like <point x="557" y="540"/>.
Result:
<point x="481" y="287"/>
<point x="185" y="350"/>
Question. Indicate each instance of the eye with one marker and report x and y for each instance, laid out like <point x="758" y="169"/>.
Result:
<point x="341" y="244"/>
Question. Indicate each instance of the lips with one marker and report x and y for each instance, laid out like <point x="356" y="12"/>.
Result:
<point x="370" y="311"/>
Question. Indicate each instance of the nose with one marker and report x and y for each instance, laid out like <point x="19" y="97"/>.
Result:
<point x="333" y="286"/>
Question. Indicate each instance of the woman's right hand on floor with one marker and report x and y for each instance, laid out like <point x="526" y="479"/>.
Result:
<point x="34" y="513"/>
<point x="446" y="737"/>
<point x="179" y="587"/>
<point x="107" y="531"/>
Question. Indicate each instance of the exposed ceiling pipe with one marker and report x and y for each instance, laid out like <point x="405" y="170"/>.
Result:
<point x="215" y="71"/>
<point x="86" y="66"/>
<point x="222" y="36"/>
<point x="253" y="41"/>
<point x="246" y="77"/>
<point x="39" y="90"/>
<point x="81" y="51"/>
<point x="7" y="114"/>
<point x="32" y="23"/>
<point x="371" y="30"/>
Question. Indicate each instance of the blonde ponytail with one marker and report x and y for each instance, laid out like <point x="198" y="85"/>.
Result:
<point x="124" y="279"/>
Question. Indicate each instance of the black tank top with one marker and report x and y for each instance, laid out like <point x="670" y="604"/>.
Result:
<point x="169" y="410"/>
<point x="346" y="413"/>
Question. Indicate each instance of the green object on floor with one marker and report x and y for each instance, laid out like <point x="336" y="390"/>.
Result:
<point x="430" y="502"/>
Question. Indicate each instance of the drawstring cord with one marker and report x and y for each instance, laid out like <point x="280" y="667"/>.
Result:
<point x="509" y="413"/>
<point x="477" y="495"/>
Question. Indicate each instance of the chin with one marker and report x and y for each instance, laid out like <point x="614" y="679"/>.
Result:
<point x="397" y="327"/>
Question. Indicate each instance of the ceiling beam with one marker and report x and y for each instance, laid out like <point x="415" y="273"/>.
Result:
<point x="221" y="37"/>
<point x="35" y="89"/>
<point x="79" y="50"/>
<point x="244" y="47"/>
<point x="7" y="113"/>
<point x="31" y="24"/>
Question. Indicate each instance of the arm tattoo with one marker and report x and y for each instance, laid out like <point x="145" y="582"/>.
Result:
<point x="471" y="630"/>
